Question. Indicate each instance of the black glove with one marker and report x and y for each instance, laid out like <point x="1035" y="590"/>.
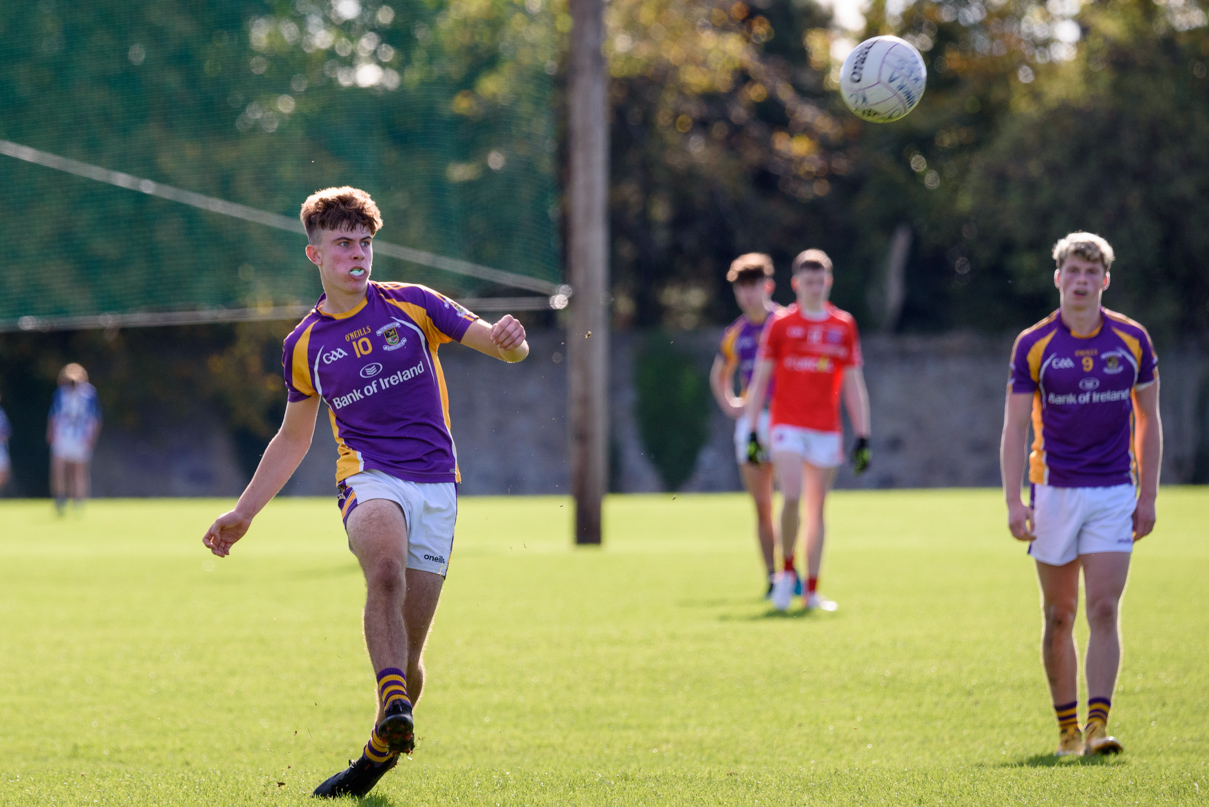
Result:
<point x="861" y="455"/>
<point x="756" y="455"/>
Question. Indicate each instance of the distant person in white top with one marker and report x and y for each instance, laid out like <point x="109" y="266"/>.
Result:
<point x="72" y="430"/>
<point x="6" y="431"/>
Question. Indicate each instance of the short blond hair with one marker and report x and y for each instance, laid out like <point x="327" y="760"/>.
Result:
<point x="73" y="374"/>
<point x="811" y="259"/>
<point x="751" y="266"/>
<point x="1088" y="246"/>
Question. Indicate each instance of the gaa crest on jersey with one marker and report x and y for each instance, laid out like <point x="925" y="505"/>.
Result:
<point x="390" y="335"/>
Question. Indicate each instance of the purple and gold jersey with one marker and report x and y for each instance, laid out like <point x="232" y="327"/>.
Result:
<point x="740" y="341"/>
<point x="376" y="367"/>
<point x="1082" y="398"/>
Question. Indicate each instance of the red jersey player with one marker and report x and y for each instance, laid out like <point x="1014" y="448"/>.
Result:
<point x="812" y="351"/>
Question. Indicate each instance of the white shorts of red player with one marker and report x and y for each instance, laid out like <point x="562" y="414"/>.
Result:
<point x="820" y="449"/>
<point x="1070" y="522"/>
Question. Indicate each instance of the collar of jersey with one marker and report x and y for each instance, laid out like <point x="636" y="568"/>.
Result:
<point x="351" y="312"/>
<point x="1096" y="332"/>
<point x="823" y="315"/>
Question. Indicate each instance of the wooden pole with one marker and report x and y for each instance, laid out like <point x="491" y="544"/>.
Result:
<point x="588" y="325"/>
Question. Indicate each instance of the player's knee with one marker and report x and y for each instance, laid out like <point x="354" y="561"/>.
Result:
<point x="386" y="574"/>
<point x="1103" y="612"/>
<point x="1059" y="619"/>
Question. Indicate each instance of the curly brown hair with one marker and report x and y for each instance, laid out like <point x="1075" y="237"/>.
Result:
<point x="339" y="209"/>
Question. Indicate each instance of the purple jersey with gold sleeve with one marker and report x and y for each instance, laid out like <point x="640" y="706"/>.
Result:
<point x="740" y="341"/>
<point x="376" y="367"/>
<point x="1082" y="389"/>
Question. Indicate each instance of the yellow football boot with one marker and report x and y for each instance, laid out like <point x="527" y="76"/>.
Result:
<point x="1070" y="742"/>
<point x="1096" y="740"/>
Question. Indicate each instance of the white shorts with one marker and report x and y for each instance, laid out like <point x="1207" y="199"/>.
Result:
<point x="1070" y="522"/>
<point x="71" y="450"/>
<point x="820" y="449"/>
<point x="741" y="435"/>
<point x="430" y="508"/>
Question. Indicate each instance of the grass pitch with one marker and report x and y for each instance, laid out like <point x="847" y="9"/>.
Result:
<point x="135" y="668"/>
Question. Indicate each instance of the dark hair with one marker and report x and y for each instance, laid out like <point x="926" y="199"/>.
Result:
<point x="811" y="259"/>
<point x="339" y="209"/>
<point x="752" y="266"/>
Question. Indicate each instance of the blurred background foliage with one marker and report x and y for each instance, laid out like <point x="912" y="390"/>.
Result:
<point x="727" y="136"/>
<point x="1039" y="118"/>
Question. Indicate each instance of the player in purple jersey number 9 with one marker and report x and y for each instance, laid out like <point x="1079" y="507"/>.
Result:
<point x="1086" y="377"/>
<point x="374" y="363"/>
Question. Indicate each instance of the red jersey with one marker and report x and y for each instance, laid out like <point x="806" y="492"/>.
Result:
<point x="808" y="358"/>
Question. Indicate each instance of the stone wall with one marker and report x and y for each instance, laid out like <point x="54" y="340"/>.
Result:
<point x="937" y="413"/>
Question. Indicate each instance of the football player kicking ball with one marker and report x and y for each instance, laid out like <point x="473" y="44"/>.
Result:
<point x="812" y="352"/>
<point x="1087" y="379"/>
<point x="369" y="351"/>
<point x="750" y="276"/>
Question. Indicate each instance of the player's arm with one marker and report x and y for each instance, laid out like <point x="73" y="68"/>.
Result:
<point x="94" y="429"/>
<point x="1148" y="448"/>
<point x="504" y="340"/>
<point x="280" y="460"/>
<point x="756" y="390"/>
<point x="721" y="383"/>
<point x="1012" y="451"/>
<point x="856" y="401"/>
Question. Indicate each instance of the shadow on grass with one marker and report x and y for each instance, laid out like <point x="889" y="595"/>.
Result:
<point x="1051" y="761"/>
<point x="772" y="613"/>
<point x="716" y="602"/>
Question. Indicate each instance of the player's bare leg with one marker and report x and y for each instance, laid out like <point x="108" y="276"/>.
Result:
<point x="78" y="481"/>
<point x="757" y="479"/>
<point x="377" y="532"/>
<point x="419" y="607"/>
<point x="1059" y="605"/>
<point x="1104" y="578"/>
<point x="816" y="483"/>
<point x="58" y="481"/>
<point x="789" y="477"/>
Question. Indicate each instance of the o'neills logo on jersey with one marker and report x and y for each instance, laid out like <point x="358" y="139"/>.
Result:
<point x="808" y="364"/>
<point x="348" y="337"/>
<point x="377" y="385"/>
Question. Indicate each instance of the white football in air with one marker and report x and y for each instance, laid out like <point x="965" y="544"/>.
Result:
<point x="883" y="79"/>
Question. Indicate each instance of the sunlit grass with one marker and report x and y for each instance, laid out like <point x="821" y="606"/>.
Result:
<point x="137" y="669"/>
